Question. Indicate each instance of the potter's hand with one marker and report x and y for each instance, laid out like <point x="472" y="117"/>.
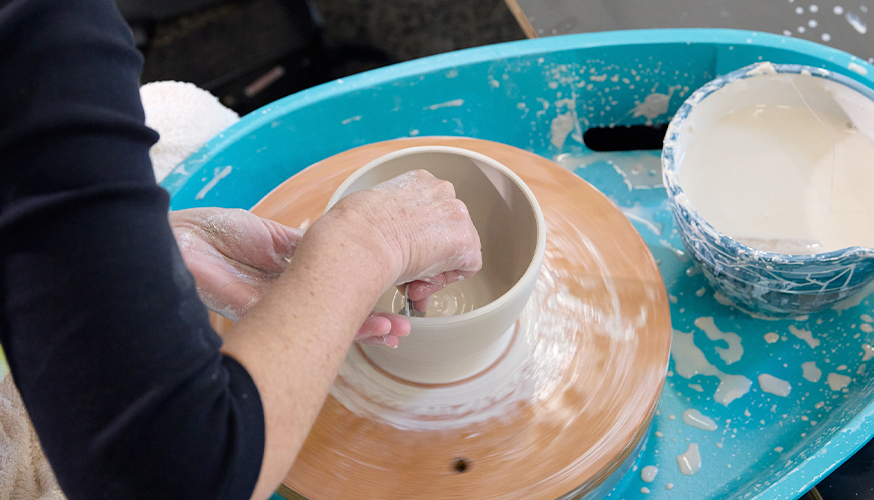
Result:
<point x="428" y="231"/>
<point x="235" y="256"/>
<point x="293" y="342"/>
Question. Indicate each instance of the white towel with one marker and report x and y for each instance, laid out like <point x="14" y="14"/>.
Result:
<point x="186" y="117"/>
<point x="25" y="472"/>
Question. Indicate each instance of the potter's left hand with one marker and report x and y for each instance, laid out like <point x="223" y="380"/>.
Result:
<point x="235" y="256"/>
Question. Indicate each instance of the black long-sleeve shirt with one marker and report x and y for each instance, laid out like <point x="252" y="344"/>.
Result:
<point x="105" y="336"/>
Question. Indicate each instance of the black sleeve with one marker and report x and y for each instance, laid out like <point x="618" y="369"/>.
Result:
<point x="106" y="338"/>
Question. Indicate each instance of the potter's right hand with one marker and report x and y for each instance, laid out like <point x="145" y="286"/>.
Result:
<point x="428" y="232"/>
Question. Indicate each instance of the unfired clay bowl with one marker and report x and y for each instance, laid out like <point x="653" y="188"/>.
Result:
<point x="470" y="324"/>
<point x="769" y="283"/>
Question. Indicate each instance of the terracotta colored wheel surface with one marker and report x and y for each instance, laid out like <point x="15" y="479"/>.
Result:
<point x="556" y="416"/>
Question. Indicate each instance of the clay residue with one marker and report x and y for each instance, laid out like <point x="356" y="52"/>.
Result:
<point x="690" y="361"/>
<point x="734" y="351"/>
<point x="690" y="461"/>
<point x="448" y="104"/>
<point x="804" y="335"/>
<point x="220" y="173"/>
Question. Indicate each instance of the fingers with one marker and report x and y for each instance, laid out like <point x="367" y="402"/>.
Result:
<point x="385" y="341"/>
<point x="285" y="239"/>
<point x="383" y="329"/>
<point x="381" y="324"/>
<point x="422" y="289"/>
<point x="421" y="305"/>
<point x="425" y="231"/>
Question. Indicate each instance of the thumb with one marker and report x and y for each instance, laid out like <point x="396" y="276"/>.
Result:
<point x="285" y="238"/>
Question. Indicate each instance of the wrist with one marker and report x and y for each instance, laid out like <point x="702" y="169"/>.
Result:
<point x="356" y="239"/>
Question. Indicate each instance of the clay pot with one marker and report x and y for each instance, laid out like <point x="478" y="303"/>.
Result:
<point x="758" y="280"/>
<point x="468" y="325"/>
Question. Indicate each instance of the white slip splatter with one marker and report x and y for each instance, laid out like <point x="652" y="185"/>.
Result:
<point x="648" y="473"/>
<point x="690" y="361"/>
<point x="644" y="490"/>
<point x="856" y="22"/>
<point x="810" y="372"/>
<point x="219" y="175"/>
<point x="865" y="327"/>
<point x="689" y="462"/>
<point x="669" y="486"/>
<point x="836" y="382"/>
<point x="771" y="337"/>
<point x="855" y="299"/>
<point x="858" y="68"/>
<point x="722" y="299"/>
<point x="696" y="387"/>
<point x="448" y="104"/>
<point x="638" y="172"/>
<point x="804" y="335"/>
<point x="730" y="388"/>
<point x="867" y="352"/>
<point x="349" y="120"/>
<point x="734" y="351"/>
<point x="565" y="124"/>
<point x="656" y="228"/>
<point x="562" y="125"/>
<point x="774" y="385"/>
<point x="867" y="318"/>
<point x="694" y="418"/>
<point x="653" y="106"/>
<point x="779" y="449"/>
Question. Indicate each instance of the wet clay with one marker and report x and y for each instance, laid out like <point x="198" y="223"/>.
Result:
<point x="574" y="393"/>
<point x="781" y="163"/>
<point x="445" y="348"/>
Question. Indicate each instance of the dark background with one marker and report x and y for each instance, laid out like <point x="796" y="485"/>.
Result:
<point x="226" y="46"/>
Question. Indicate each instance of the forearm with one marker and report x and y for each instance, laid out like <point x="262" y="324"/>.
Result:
<point x="109" y="345"/>
<point x="294" y="340"/>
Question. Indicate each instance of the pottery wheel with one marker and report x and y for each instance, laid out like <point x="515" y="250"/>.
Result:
<point x="562" y="409"/>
